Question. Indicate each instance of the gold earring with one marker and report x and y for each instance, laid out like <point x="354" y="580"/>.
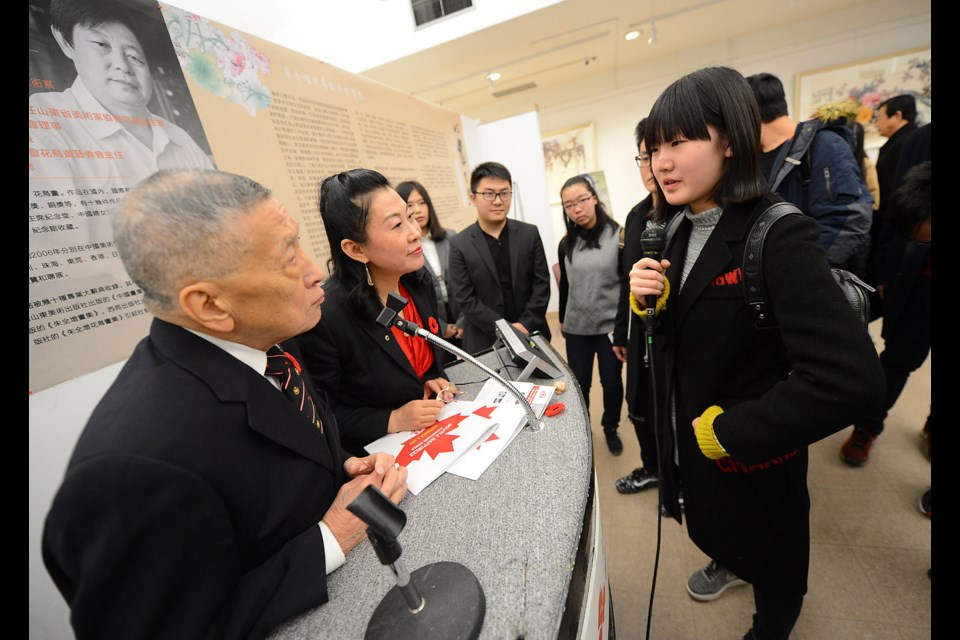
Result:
<point x="369" y="279"/>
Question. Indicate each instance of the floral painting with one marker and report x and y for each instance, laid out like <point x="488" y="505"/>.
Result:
<point x="869" y="83"/>
<point x="568" y="153"/>
<point x="226" y="66"/>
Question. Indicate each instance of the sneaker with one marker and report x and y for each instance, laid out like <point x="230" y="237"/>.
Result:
<point x="710" y="582"/>
<point x="613" y="442"/>
<point x="639" y="480"/>
<point x="925" y="503"/>
<point x="856" y="450"/>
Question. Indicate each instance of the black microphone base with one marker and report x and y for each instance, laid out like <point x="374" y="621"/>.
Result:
<point x="454" y="607"/>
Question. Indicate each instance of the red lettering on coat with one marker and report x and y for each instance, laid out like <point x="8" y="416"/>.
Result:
<point x="729" y="465"/>
<point x="728" y="278"/>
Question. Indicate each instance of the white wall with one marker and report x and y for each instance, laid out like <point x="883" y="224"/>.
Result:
<point x="823" y="42"/>
<point x="57" y="416"/>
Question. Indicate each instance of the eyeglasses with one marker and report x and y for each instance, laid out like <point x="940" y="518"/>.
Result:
<point x="582" y="200"/>
<point x="643" y="160"/>
<point x="490" y="195"/>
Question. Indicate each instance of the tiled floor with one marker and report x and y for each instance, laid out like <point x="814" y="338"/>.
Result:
<point x="870" y="545"/>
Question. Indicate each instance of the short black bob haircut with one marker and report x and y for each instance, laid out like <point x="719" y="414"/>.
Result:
<point x="722" y="98"/>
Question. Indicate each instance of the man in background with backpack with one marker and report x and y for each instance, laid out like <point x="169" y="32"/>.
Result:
<point x="812" y="165"/>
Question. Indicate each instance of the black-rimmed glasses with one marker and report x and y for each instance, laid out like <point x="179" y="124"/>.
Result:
<point x="491" y="195"/>
<point x="643" y="160"/>
<point x="579" y="202"/>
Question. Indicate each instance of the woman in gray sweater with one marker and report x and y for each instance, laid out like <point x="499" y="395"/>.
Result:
<point x="589" y="291"/>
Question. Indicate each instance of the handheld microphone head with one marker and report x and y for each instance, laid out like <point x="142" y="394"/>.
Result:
<point x="653" y="241"/>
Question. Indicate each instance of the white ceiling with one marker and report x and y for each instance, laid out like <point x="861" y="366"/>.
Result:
<point x="545" y="56"/>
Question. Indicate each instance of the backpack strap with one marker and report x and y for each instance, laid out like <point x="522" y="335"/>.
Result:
<point x="797" y="154"/>
<point x="754" y="289"/>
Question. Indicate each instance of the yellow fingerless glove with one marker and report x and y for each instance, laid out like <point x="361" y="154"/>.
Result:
<point x="661" y="300"/>
<point x="706" y="438"/>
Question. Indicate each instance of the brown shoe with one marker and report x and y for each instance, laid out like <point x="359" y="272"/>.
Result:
<point x="856" y="450"/>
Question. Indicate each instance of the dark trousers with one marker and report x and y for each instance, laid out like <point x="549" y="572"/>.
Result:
<point x="639" y="409"/>
<point x="904" y="350"/>
<point x="776" y="614"/>
<point x="648" y="443"/>
<point x="580" y="356"/>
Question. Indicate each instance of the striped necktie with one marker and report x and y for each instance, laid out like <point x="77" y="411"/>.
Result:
<point x="286" y="370"/>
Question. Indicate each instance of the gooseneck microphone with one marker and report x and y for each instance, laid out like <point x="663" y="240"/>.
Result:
<point x="390" y="317"/>
<point x="653" y="240"/>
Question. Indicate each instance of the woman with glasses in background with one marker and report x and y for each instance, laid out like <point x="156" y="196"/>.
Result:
<point x="435" y="240"/>
<point x="589" y="257"/>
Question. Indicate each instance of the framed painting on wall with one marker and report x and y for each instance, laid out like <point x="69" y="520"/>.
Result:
<point x="868" y="82"/>
<point x="566" y="153"/>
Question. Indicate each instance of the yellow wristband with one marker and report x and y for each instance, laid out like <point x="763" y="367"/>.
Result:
<point x="706" y="437"/>
<point x="661" y="300"/>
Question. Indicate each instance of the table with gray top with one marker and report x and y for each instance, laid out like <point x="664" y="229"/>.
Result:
<point x="523" y="528"/>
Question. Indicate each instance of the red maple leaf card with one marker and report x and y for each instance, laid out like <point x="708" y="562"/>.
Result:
<point x="427" y="453"/>
<point x="510" y="419"/>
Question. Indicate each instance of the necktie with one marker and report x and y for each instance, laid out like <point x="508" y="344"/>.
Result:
<point x="286" y="370"/>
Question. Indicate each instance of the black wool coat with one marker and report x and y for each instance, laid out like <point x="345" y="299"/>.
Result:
<point x="780" y="390"/>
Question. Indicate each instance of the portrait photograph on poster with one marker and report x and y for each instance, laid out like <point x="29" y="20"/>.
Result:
<point x="868" y="83"/>
<point x="108" y="106"/>
<point x="154" y="86"/>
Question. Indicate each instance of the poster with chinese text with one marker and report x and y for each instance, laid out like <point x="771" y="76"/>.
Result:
<point x="260" y="110"/>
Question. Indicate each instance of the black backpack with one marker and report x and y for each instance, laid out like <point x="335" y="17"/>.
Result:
<point x="856" y="291"/>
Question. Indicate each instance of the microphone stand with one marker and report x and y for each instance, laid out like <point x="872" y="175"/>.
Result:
<point x="390" y="316"/>
<point x="439" y="601"/>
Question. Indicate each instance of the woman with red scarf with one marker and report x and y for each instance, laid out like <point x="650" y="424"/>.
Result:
<point x="377" y="379"/>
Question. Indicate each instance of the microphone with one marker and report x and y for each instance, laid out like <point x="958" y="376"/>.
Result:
<point x="439" y="601"/>
<point x="390" y="316"/>
<point x="652" y="241"/>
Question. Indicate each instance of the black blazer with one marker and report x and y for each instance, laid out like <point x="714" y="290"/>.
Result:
<point x="476" y="285"/>
<point x="190" y="505"/>
<point x="628" y="328"/>
<point x="361" y="367"/>
<point x="781" y="390"/>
